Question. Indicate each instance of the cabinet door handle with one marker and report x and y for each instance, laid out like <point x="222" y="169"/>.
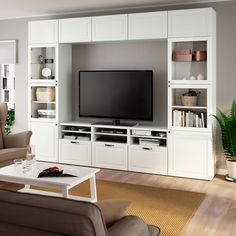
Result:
<point x="146" y="148"/>
<point x="74" y="142"/>
<point x="109" y="145"/>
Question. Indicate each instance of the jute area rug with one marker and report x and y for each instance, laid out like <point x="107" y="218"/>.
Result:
<point x="168" y="209"/>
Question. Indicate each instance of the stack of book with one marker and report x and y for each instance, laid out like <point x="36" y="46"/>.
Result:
<point x="188" y="119"/>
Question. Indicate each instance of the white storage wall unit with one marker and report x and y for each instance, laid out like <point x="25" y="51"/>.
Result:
<point x="149" y="25"/>
<point x="49" y="95"/>
<point x="7" y="80"/>
<point x="191" y="29"/>
<point x="191" y="65"/>
<point x="113" y="147"/>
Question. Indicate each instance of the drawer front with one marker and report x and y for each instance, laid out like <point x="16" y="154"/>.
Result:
<point x="110" y="156"/>
<point x="150" y="25"/>
<point x="75" y="30"/>
<point x="74" y="152"/>
<point x="108" y="28"/>
<point x="148" y="159"/>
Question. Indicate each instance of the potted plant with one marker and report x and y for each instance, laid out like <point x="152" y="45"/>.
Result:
<point x="227" y="122"/>
<point x="10" y="120"/>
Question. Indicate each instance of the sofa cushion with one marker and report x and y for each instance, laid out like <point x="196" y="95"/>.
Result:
<point x="51" y="214"/>
<point x="16" y="230"/>
<point x="113" y="210"/>
<point x="12" y="153"/>
<point x="134" y="224"/>
<point x="153" y="230"/>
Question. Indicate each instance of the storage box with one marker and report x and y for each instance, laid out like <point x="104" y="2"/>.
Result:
<point x="182" y="57"/>
<point x="200" y="55"/>
<point x="45" y="94"/>
<point x="189" y="100"/>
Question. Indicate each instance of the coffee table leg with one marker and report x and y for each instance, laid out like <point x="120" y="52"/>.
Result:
<point x="93" y="189"/>
<point x="27" y="186"/>
<point x="65" y="192"/>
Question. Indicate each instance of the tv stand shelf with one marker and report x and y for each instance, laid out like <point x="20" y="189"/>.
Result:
<point x="115" y="147"/>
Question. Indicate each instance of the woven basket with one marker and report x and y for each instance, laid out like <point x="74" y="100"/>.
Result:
<point x="189" y="100"/>
<point x="45" y="94"/>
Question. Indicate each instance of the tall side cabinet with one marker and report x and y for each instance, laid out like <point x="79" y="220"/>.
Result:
<point x="49" y="91"/>
<point x="191" y="93"/>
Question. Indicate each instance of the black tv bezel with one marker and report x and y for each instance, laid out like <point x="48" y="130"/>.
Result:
<point x="119" y="118"/>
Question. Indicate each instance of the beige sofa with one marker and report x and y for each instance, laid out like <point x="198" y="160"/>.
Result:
<point x="23" y="214"/>
<point x="11" y="146"/>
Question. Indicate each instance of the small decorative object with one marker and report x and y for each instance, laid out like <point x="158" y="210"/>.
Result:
<point x="40" y="59"/>
<point x="54" y="172"/>
<point x="192" y="77"/>
<point x="49" y="60"/>
<point x="200" y="55"/>
<point x="30" y="156"/>
<point x="190" y="98"/>
<point x="46" y="72"/>
<point x="227" y="122"/>
<point x="45" y="94"/>
<point x="18" y="162"/>
<point x="184" y="78"/>
<point x="182" y="55"/>
<point x="200" y="77"/>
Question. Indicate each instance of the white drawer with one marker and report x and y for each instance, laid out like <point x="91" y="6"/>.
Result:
<point x="148" y="159"/>
<point x="108" y="155"/>
<point x="75" y="152"/>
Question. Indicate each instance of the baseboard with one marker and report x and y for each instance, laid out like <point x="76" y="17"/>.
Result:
<point x="221" y="171"/>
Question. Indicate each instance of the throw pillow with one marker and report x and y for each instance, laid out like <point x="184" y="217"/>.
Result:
<point x="113" y="210"/>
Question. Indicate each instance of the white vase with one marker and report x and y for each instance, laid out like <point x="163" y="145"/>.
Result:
<point x="231" y="165"/>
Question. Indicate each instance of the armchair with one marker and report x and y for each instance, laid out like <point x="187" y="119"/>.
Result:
<point x="11" y="146"/>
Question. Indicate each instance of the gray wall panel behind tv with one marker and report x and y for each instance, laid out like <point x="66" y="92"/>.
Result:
<point x="136" y="55"/>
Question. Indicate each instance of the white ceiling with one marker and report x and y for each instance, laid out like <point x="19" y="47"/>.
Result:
<point x="31" y="8"/>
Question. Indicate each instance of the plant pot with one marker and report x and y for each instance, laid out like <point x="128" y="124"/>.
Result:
<point x="189" y="100"/>
<point x="231" y="166"/>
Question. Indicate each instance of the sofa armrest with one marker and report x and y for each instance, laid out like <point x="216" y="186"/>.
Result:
<point x="129" y="226"/>
<point x="18" y="140"/>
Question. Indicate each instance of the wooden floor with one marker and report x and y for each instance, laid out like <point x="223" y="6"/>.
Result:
<point x="216" y="216"/>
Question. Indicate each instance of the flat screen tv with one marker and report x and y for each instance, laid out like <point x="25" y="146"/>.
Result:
<point x="116" y="94"/>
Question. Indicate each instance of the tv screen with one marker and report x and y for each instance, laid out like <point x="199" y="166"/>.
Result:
<point x="116" y="94"/>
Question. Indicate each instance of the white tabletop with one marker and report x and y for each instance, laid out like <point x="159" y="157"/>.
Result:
<point x="15" y="174"/>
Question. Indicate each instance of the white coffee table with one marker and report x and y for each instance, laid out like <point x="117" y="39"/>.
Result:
<point x="15" y="175"/>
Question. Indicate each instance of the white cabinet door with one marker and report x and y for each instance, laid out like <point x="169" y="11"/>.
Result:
<point x="190" y="154"/>
<point x="150" y="25"/>
<point x="45" y="139"/>
<point x="190" y="23"/>
<point x="75" y="152"/>
<point x="45" y="31"/>
<point x="109" y="28"/>
<point x="148" y="159"/>
<point x="112" y="156"/>
<point x="75" y="30"/>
